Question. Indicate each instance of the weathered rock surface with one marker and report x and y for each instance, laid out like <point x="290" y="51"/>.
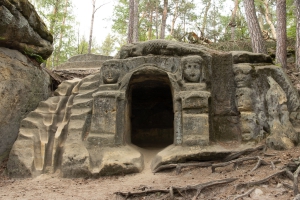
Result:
<point x="84" y="61"/>
<point x="158" y="94"/>
<point x="22" y="29"/>
<point x="22" y="86"/>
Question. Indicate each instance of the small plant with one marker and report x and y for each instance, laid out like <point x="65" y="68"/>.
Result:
<point x="37" y="57"/>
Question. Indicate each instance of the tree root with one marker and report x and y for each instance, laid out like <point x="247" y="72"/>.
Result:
<point x="296" y="174"/>
<point x="242" y="195"/>
<point x="239" y="161"/>
<point x="179" y="166"/>
<point x="259" y="181"/>
<point x="246" y="151"/>
<point x="173" y="190"/>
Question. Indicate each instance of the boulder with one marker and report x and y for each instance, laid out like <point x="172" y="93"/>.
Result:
<point x="22" y="29"/>
<point x="22" y="86"/>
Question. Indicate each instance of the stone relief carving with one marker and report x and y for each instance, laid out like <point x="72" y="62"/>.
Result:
<point x="110" y="71"/>
<point x="192" y="69"/>
<point x="95" y="136"/>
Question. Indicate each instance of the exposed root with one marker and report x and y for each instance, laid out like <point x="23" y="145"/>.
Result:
<point x="296" y="174"/>
<point x="249" y="184"/>
<point x="259" y="163"/>
<point x="176" y="190"/>
<point x="243" y="195"/>
<point x="244" y="152"/>
<point x="240" y="161"/>
<point x="179" y="166"/>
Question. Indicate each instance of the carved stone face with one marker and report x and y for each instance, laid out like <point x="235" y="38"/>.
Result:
<point x="110" y="72"/>
<point x="192" y="68"/>
<point x="242" y="78"/>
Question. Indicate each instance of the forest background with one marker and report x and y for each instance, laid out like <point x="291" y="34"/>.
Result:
<point x="206" y="22"/>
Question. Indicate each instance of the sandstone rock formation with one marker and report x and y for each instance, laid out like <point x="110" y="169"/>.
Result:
<point x="22" y="86"/>
<point x="22" y="29"/>
<point x="157" y="94"/>
<point x="80" y="66"/>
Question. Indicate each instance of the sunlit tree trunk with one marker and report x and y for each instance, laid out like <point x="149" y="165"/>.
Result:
<point x="136" y="22"/>
<point x="164" y="20"/>
<point x="268" y="19"/>
<point x="297" y="4"/>
<point x="54" y="15"/>
<point x="258" y="43"/>
<point x="204" y="22"/>
<point x="232" y="23"/>
<point x="156" y="19"/>
<point x="175" y="16"/>
<point x="61" y="34"/>
<point x="281" y="33"/>
<point x="131" y="22"/>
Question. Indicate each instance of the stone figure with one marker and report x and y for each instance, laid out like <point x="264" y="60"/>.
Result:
<point x="110" y="72"/>
<point x="192" y="69"/>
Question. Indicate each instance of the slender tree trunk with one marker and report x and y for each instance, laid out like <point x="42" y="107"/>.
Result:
<point x="297" y="4"/>
<point x="258" y="43"/>
<point x="131" y="22"/>
<point x="204" y="23"/>
<point x="268" y="19"/>
<point x="281" y="33"/>
<point x="232" y="22"/>
<point x="54" y="15"/>
<point x="136" y="21"/>
<point x="150" y="26"/>
<point x="164" y="20"/>
<point x="92" y="26"/>
<point x="156" y="19"/>
<point x="57" y="59"/>
<point x="175" y="15"/>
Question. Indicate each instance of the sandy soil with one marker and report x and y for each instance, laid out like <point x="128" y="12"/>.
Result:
<point x="53" y="187"/>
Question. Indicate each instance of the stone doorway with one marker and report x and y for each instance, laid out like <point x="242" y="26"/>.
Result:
<point x="151" y="111"/>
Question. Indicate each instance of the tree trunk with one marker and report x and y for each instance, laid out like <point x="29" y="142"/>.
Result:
<point x="156" y="19"/>
<point x="204" y="23"/>
<point x="281" y="33"/>
<point x="269" y="21"/>
<point x="131" y="22"/>
<point x="136" y="22"/>
<point x="61" y="34"/>
<point x="150" y="26"/>
<point x="164" y="20"/>
<point x="54" y="15"/>
<point x="92" y="26"/>
<point x="258" y="43"/>
<point x="175" y="15"/>
<point x="232" y="22"/>
<point x="297" y="4"/>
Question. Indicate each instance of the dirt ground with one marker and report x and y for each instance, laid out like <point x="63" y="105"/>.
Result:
<point x="51" y="186"/>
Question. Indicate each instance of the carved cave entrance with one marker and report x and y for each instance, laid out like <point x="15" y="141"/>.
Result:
<point x="151" y="111"/>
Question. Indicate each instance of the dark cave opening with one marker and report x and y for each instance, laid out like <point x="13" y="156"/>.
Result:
<point x="152" y="114"/>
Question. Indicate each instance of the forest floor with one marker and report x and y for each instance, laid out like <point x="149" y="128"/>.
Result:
<point x="52" y="186"/>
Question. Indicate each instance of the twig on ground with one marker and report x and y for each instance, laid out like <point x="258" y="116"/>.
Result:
<point x="259" y="181"/>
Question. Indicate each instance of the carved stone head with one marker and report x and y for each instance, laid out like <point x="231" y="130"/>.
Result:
<point x="242" y="77"/>
<point x="192" y="68"/>
<point x="110" y="71"/>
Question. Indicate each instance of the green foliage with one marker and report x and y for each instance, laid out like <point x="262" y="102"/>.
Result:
<point x="107" y="47"/>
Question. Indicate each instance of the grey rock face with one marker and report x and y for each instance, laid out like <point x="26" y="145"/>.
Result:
<point x="22" y="29"/>
<point x="157" y="93"/>
<point x="22" y="86"/>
